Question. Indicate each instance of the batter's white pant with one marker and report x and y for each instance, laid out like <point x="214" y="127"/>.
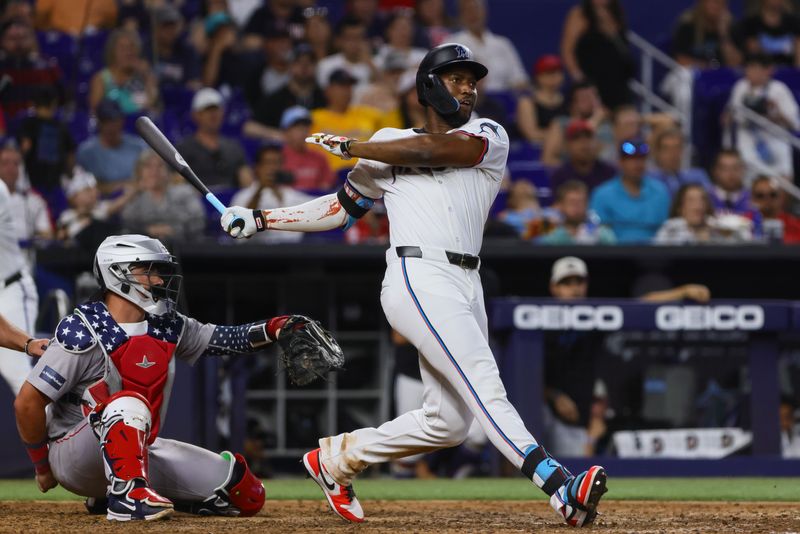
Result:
<point x="178" y="471"/>
<point x="439" y="308"/>
<point x="408" y="395"/>
<point x="19" y="304"/>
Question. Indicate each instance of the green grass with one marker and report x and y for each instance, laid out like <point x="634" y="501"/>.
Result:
<point x="678" y="489"/>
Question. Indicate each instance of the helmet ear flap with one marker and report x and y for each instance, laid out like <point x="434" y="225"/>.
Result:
<point x="438" y="96"/>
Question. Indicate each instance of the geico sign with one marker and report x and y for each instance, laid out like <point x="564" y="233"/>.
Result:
<point x="552" y="317"/>
<point x="710" y="317"/>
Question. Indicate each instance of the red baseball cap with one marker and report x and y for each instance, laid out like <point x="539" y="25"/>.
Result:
<point x="577" y="127"/>
<point x="547" y="63"/>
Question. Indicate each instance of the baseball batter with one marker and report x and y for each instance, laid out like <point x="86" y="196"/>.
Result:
<point x="438" y="184"/>
<point x="109" y="375"/>
<point x="19" y="302"/>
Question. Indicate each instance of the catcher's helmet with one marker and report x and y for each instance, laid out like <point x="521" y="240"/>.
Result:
<point x="430" y="89"/>
<point x="112" y="268"/>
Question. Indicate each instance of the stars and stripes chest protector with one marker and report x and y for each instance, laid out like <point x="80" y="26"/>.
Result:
<point x="141" y="363"/>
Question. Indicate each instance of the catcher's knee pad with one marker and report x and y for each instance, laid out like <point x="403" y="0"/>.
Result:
<point x="241" y="494"/>
<point x="245" y="491"/>
<point x="129" y="407"/>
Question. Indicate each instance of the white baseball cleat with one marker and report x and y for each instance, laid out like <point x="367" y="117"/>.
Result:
<point x="342" y="499"/>
<point x="577" y="499"/>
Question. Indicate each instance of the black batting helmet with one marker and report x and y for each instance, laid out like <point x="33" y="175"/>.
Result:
<point x="430" y="90"/>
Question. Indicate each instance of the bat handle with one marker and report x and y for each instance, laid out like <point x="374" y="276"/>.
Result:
<point x="237" y="222"/>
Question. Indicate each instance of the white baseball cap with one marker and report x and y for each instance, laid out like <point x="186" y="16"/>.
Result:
<point x="205" y="98"/>
<point x="566" y="267"/>
<point x="81" y="179"/>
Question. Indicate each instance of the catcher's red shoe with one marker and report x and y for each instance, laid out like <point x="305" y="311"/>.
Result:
<point x="342" y="499"/>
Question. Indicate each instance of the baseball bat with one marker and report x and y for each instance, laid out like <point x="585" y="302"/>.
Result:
<point x="158" y="142"/>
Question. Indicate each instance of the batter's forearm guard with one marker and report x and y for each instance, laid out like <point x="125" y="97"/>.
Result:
<point x="245" y="338"/>
<point x="354" y="203"/>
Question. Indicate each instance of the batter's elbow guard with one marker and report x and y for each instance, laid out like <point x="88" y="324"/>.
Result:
<point x="245" y="490"/>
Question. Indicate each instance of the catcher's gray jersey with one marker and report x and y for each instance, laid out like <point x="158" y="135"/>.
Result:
<point x="63" y="375"/>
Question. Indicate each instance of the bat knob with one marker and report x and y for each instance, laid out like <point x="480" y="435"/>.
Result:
<point x="238" y="222"/>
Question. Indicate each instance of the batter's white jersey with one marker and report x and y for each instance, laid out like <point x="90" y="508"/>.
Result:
<point x="444" y="208"/>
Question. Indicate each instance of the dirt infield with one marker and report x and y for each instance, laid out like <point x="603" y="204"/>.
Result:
<point x="427" y="516"/>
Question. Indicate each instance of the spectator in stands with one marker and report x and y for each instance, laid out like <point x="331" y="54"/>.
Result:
<point x="274" y="74"/>
<point x="773" y="30"/>
<point x="110" y="155"/>
<point x="309" y="168"/>
<point x="411" y="110"/>
<point x="46" y="144"/>
<point x="768" y="198"/>
<point x="537" y="110"/>
<point x="221" y="64"/>
<point x="584" y="104"/>
<point x="762" y="151"/>
<point x="273" y="15"/>
<point x="175" y="62"/>
<point x="790" y="428"/>
<point x="218" y="159"/>
<point x="702" y="39"/>
<point x="594" y="46"/>
<point x="507" y="72"/>
<point x="524" y="213"/>
<point x="271" y="190"/>
<point x="301" y="90"/>
<point x="76" y="17"/>
<point x="399" y="41"/>
<point x="729" y="194"/>
<point x="576" y="226"/>
<point x="367" y="13"/>
<point x="668" y="167"/>
<point x="89" y="220"/>
<point x="432" y="17"/>
<point x="161" y="208"/>
<point x="691" y="220"/>
<point x="354" y="56"/>
<point x="703" y="36"/>
<point x="582" y="163"/>
<point x="358" y="122"/>
<point x="383" y="95"/>
<point x="127" y="78"/>
<point x="29" y="210"/>
<point x="18" y="9"/>
<point x="318" y="32"/>
<point x="27" y="70"/>
<point x="628" y="123"/>
<point x="632" y="204"/>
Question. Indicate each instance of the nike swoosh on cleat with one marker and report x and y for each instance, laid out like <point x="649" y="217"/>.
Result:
<point x="330" y="485"/>
<point x="130" y="507"/>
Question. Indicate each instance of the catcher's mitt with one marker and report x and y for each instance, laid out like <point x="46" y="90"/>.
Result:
<point x="308" y="350"/>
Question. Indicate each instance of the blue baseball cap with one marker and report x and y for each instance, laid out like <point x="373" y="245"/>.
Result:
<point x="632" y="148"/>
<point x="293" y="115"/>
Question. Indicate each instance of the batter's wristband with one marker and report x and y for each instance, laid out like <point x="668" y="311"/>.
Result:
<point x="37" y="452"/>
<point x="345" y="148"/>
<point x="261" y="224"/>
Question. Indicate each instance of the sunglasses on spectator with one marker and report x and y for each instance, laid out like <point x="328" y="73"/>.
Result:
<point x="632" y="149"/>
<point x="763" y="195"/>
<point x="315" y="12"/>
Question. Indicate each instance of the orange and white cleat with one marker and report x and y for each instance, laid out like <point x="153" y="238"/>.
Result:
<point x="577" y="499"/>
<point x="342" y="499"/>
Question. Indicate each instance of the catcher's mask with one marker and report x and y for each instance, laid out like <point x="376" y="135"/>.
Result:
<point x="431" y="91"/>
<point x="141" y="270"/>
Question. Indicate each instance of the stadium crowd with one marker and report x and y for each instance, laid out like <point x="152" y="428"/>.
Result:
<point x="238" y="85"/>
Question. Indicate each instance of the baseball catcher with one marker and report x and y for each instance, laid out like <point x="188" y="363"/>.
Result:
<point x="109" y="374"/>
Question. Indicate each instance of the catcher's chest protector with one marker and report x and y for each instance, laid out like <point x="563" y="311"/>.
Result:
<point x="141" y="363"/>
